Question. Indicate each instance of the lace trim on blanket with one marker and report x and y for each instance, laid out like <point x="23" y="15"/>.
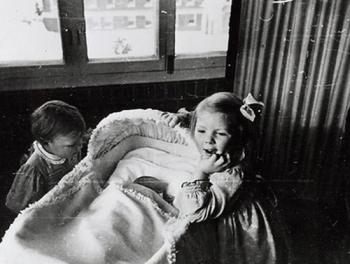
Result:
<point x="80" y="176"/>
<point x="130" y="123"/>
<point x="174" y="229"/>
<point x="61" y="192"/>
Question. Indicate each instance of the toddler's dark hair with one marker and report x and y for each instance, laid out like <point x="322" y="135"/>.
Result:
<point x="56" y="117"/>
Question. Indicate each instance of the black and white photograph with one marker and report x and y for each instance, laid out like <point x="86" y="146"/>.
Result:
<point x="175" y="131"/>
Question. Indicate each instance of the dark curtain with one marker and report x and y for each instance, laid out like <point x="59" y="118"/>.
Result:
<point x="294" y="56"/>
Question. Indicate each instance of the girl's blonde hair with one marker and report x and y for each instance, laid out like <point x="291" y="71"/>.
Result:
<point x="228" y="104"/>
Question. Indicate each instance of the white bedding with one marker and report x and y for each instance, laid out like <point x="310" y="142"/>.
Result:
<point x="97" y="214"/>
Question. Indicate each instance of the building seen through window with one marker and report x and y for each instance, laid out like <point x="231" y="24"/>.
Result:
<point x="28" y="32"/>
<point x="163" y="34"/>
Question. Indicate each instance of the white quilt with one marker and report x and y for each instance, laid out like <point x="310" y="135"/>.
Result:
<point x="97" y="214"/>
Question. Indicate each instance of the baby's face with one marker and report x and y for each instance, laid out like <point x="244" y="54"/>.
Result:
<point x="212" y="134"/>
<point x="65" y="146"/>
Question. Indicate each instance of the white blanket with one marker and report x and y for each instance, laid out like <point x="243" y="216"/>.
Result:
<point x="97" y="214"/>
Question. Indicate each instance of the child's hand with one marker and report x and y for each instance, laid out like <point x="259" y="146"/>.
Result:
<point x="87" y="135"/>
<point x="171" y="119"/>
<point x="216" y="163"/>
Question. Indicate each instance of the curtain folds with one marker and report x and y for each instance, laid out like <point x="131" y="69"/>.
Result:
<point x="295" y="57"/>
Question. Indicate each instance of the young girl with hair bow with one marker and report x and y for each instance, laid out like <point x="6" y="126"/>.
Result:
<point x="245" y="224"/>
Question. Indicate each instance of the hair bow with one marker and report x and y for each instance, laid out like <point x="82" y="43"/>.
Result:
<point x="246" y="110"/>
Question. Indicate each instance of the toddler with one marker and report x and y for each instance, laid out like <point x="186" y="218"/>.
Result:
<point x="245" y="224"/>
<point x="221" y="127"/>
<point x="58" y="129"/>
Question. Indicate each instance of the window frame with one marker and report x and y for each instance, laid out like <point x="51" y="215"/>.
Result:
<point x="76" y="70"/>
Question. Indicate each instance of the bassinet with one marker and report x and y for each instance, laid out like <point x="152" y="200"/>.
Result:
<point x="98" y="215"/>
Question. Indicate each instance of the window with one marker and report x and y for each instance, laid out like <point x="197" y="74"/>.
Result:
<point x="55" y="43"/>
<point x="123" y="39"/>
<point x="110" y="4"/>
<point x="131" y="3"/>
<point x="20" y="20"/>
<point x="205" y="27"/>
<point x="90" y="4"/>
<point x="190" y="3"/>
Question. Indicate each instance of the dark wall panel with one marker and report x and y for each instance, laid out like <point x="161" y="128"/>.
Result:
<point x="294" y="56"/>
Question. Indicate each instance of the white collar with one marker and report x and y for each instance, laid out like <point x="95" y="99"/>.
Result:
<point x="46" y="155"/>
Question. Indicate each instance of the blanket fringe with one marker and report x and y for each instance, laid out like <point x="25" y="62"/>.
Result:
<point x="141" y="122"/>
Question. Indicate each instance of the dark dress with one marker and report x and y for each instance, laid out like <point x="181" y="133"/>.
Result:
<point x="249" y="231"/>
<point x="36" y="177"/>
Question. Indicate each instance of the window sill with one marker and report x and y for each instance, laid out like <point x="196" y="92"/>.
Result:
<point x="56" y="77"/>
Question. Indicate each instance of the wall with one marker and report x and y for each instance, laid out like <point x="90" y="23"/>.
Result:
<point x="294" y="56"/>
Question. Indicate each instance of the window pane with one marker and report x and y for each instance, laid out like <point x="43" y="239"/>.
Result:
<point x="29" y="31"/>
<point x="202" y="26"/>
<point x="122" y="29"/>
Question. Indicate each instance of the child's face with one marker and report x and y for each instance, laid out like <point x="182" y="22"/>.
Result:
<point x="65" y="146"/>
<point x="212" y="134"/>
